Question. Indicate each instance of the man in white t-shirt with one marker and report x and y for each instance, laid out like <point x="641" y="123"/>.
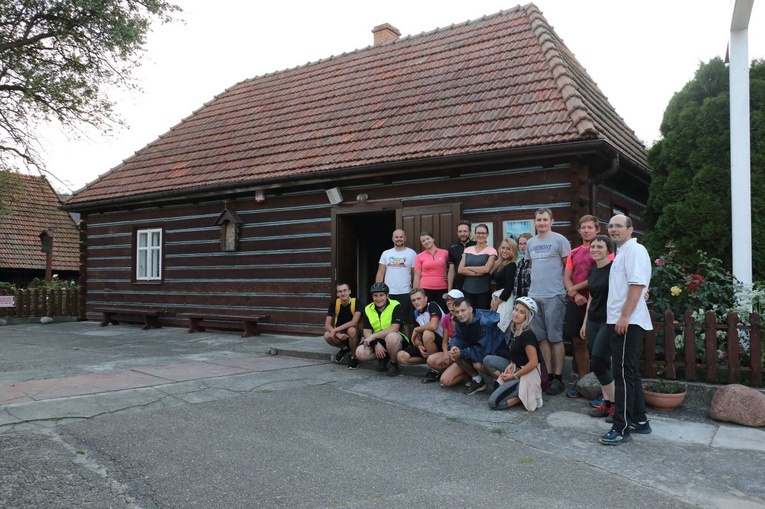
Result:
<point x="628" y="318"/>
<point x="395" y="270"/>
<point x="548" y="251"/>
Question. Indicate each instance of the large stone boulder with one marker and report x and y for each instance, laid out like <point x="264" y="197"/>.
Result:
<point x="46" y="320"/>
<point x="739" y="404"/>
<point x="588" y="386"/>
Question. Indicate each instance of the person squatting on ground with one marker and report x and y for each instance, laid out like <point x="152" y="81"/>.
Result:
<point x="628" y="318"/>
<point x="594" y="329"/>
<point x="503" y="274"/>
<point x="578" y="265"/>
<point x="476" y="336"/>
<point x="547" y="251"/>
<point x="439" y="361"/>
<point x="519" y="375"/>
<point x="395" y="270"/>
<point x="341" y="325"/>
<point x="427" y="336"/>
<point x="383" y="339"/>
<point x="476" y="264"/>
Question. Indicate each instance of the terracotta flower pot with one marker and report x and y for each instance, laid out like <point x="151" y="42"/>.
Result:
<point x="663" y="401"/>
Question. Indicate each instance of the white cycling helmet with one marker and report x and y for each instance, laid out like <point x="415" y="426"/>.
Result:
<point x="530" y="304"/>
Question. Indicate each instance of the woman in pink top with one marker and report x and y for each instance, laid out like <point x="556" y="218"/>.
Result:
<point x="430" y="270"/>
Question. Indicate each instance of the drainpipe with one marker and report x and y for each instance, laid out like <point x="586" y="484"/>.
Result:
<point x="594" y="183"/>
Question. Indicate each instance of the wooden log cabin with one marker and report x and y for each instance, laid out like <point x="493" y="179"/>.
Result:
<point x="287" y="183"/>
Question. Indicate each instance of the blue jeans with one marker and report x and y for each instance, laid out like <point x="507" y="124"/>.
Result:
<point x="630" y="400"/>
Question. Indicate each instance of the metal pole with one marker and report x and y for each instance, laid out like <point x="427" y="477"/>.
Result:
<point x="740" y="163"/>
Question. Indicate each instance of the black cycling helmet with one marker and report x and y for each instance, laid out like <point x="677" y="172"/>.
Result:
<point x="379" y="287"/>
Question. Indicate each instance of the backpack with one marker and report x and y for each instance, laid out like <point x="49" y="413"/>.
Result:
<point x="337" y="308"/>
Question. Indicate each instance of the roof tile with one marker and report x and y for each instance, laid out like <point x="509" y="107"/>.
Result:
<point x="502" y="82"/>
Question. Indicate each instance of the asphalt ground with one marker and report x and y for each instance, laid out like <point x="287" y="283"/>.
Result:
<point x="95" y="417"/>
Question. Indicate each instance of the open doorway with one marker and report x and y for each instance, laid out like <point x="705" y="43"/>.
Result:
<point x="359" y="240"/>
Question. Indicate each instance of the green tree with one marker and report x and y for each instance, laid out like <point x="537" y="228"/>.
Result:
<point x="689" y="205"/>
<point x="57" y="58"/>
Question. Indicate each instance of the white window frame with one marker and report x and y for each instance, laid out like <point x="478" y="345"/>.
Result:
<point x="148" y="255"/>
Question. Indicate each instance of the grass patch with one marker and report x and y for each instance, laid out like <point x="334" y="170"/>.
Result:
<point x="499" y="431"/>
<point x="526" y="460"/>
<point x="451" y="419"/>
<point x="80" y="451"/>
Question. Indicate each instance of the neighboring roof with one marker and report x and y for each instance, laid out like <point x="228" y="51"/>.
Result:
<point x="502" y="82"/>
<point x="36" y="209"/>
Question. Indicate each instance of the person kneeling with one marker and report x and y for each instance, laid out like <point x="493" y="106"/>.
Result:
<point x="521" y="379"/>
<point x="476" y="336"/>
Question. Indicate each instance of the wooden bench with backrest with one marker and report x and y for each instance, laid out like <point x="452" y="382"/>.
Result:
<point x="150" y="315"/>
<point x="198" y="322"/>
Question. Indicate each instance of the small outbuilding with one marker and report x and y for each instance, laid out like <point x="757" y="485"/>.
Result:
<point x="287" y="183"/>
<point x="35" y="232"/>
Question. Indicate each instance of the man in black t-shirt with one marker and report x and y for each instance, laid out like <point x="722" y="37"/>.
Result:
<point x="341" y="325"/>
<point x="455" y="280"/>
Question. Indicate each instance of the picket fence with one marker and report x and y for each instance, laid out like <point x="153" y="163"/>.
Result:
<point x="39" y="302"/>
<point x="702" y="355"/>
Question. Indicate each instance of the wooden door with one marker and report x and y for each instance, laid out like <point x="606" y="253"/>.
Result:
<point x="441" y="220"/>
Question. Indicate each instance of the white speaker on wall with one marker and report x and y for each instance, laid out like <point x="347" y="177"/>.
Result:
<point x="334" y="195"/>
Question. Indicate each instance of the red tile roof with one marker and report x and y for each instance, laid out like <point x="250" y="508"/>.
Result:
<point x="35" y="210"/>
<point x="502" y="82"/>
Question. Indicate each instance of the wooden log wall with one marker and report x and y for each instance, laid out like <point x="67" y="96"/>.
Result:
<point x="283" y="264"/>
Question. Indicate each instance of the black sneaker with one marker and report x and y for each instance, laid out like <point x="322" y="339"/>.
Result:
<point x="339" y="356"/>
<point x="431" y="376"/>
<point x="642" y="428"/>
<point x="353" y="363"/>
<point x="613" y="437"/>
<point x="556" y="387"/>
<point x="474" y="387"/>
<point x="393" y="369"/>
<point x="382" y="364"/>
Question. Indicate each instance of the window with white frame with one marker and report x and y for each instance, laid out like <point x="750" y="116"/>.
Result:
<point x="149" y="255"/>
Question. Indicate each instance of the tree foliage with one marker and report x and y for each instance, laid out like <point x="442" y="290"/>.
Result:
<point x="57" y="58"/>
<point x="689" y="207"/>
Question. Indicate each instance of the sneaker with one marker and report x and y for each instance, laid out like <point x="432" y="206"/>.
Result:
<point x="475" y="387"/>
<point x="382" y="364"/>
<point x="340" y="355"/>
<point x="601" y="410"/>
<point x="643" y="428"/>
<point x="613" y="437"/>
<point x="393" y="369"/>
<point x="573" y="393"/>
<point x="353" y="363"/>
<point x="556" y="387"/>
<point x="597" y="401"/>
<point x="610" y="416"/>
<point x="431" y="376"/>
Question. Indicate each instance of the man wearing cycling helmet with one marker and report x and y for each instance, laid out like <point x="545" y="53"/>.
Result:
<point x="383" y="322"/>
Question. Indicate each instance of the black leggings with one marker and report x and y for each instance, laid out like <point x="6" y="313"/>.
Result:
<point x="600" y="351"/>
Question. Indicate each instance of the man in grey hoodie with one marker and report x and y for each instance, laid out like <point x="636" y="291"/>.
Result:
<point x="476" y="336"/>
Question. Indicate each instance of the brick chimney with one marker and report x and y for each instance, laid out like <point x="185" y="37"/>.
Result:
<point x="385" y="33"/>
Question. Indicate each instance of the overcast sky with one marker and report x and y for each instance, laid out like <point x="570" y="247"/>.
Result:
<point x="639" y="53"/>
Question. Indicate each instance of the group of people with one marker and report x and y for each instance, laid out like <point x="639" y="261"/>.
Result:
<point x="438" y="308"/>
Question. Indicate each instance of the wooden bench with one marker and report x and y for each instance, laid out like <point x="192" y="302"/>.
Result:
<point x="249" y="323"/>
<point x="150" y="315"/>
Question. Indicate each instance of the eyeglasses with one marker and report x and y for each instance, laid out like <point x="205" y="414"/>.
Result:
<point x="615" y="226"/>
